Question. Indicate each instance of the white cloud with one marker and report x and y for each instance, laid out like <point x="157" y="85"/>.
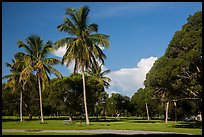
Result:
<point x="128" y="80"/>
<point x="60" y="52"/>
<point x="125" y="81"/>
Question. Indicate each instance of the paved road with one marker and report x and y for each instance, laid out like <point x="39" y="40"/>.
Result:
<point x="98" y="131"/>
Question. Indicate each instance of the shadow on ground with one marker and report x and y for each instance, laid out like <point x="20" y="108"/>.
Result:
<point x="156" y="135"/>
<point x="196" y="124"/>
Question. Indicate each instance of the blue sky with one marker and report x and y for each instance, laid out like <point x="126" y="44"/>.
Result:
<point x="139" y="33"/>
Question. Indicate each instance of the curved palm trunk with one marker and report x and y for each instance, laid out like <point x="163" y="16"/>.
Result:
<point x="42" y="120"/>
<point x="21" y="106"/>
<point x="147" y="112"/>
<point x="167" y="107"/>
<point x="84" y="92"/>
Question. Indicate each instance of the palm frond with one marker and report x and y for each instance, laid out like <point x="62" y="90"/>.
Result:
<point x="106" y="79"/>
<point x="46" y="49"/>
<point x="45" y="78"/>
<point x="101" y="39"/>
<point x="52" y="61"/>
<point x="22" y="45"/>
<point x="99" y="54"/>
<point x="8" y="64"/>
<point x="73" y="14"/>
<point x="19" y="56"/>
<point x="55" y="71"/>
<point x="83" y="13"/>
<point x="46" y="69"/>
<point x="7" y="76"/>
<point x="105" y="72"/>
<point x="92" y="28"/>
<point x="24" y="74"/>
<point x="62" y="42"/>
<point x="69" y="23"/>
<point x="35" y="43"/>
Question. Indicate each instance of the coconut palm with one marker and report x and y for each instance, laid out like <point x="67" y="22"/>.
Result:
<point x="96" y="71"/>
<point x="13" y="79"/>
<point x="83" y="44"/>
<point x="36" y="53"/>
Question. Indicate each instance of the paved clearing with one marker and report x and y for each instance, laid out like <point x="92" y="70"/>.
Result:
<point x="98" y="131"/>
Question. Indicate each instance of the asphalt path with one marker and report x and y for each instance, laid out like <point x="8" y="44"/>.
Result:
<point x="101" y="131"/>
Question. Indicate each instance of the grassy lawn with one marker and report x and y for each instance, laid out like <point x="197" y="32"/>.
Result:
<point x="108" y="123"/>
<point x="44" y="133"/>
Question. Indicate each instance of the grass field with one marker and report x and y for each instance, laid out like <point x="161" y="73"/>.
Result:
<point x="130" y="123"/>
<point x="46" y="133"/>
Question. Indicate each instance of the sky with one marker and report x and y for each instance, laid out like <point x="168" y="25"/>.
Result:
<point x="139" y="34"/>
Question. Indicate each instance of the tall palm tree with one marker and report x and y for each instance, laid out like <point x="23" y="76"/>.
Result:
<point x="83" y="44"/>
<point x="96" y="71"/>
<point x="13" y="79"/>
<point x="37" y="54"/>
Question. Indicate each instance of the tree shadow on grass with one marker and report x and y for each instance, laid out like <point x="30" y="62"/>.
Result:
<point x="195" y="124"/>
<point x="142" y="121"/>
<point x="156" y="135"/>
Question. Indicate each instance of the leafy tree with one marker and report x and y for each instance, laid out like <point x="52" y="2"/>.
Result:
<point x="176" y="76"/>
<point x="143" y="96"/>
<point x="83" y="43"/>
<point x="65" y="96"/>
<point x="10" y="101"/>
<point x="118" y="104"/>
<point x="100" y="106"/>
<point x="36" y="54"/>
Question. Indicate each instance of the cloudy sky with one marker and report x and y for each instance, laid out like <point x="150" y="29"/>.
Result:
<point x="139" y="33"/>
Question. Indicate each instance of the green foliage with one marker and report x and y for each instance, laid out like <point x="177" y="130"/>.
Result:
<point x="139" y="100"/>
<point x="118" y="104"/>
<point x="65" y="96"/>
<point x="95" y="70"/>
<point x="177" y="74"/>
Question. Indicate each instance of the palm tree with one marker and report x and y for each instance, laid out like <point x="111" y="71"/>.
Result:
<point x="36" y="53"/>
<point x="13" y="79"/>
<point x="96" y="71"/>
<point x="83" y="44"/>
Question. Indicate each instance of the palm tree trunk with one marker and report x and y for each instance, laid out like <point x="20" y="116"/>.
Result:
<point x="42" y="120"/>
<point x="147" y="112"/>
<point x="167" y="107"/>
<point x="21" y="106"/>
<point x="84" y="92"/>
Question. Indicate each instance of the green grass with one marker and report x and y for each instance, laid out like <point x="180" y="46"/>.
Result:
<point x="44" y="133"/>
<point x="108" y="123"/>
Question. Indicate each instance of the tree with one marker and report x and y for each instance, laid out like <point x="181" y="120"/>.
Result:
<point x="36" y="55"/>
<point x="10" y="101"/>
<point x="14" y="79"/>
<point x="177" y="74"/>
<point x="96" y="71"/>
<point x="83" y="45"/>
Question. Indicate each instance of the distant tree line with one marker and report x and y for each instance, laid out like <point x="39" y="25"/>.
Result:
<point x="65" y="97"/>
